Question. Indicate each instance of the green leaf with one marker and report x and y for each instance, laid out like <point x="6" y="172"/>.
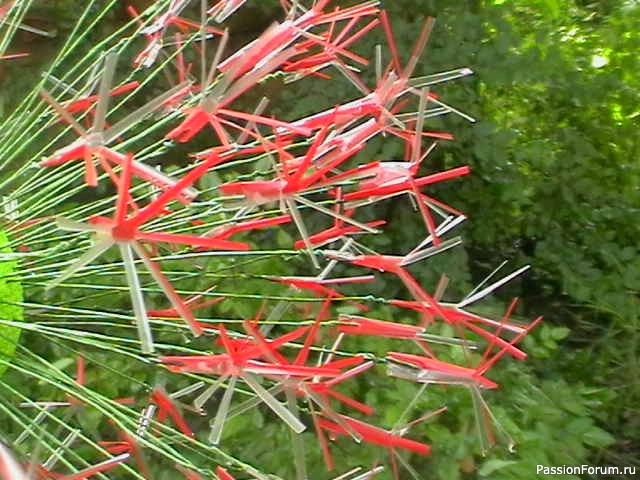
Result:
<point x="10" y="294"/>
<point x="558" y="333"/>
<point x="599" y="438"/>
<point x="494" y="465"/>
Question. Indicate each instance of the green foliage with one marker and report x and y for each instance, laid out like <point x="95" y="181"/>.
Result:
<point x="556" y="177"/>
<point x="10" y="295"/>
<point x="551" y="421"/>
<point x="554" y="184"/>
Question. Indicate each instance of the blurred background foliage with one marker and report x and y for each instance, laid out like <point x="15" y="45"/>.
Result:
<point x="556" y="181"/>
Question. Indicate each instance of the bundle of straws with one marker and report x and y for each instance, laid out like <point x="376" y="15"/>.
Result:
<point x="155" y="292"/>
